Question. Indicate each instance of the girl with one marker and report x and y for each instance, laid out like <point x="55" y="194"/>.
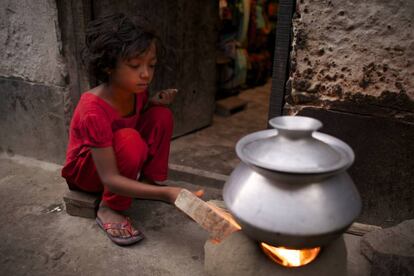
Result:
<point x="116" y="145"/>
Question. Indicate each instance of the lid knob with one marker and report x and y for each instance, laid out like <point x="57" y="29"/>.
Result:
<point x="295" y="127"/>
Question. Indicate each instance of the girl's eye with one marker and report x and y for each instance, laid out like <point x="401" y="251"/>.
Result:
<point x="138" y="65"/>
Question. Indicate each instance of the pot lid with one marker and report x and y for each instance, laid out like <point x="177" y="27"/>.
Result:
<point x="295" y="147"/>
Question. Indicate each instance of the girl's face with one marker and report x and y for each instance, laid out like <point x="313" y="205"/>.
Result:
<point x="134" y="75"/>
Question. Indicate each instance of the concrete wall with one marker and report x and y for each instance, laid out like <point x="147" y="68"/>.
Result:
<point x="39" y="93"/>
<point x="32" y="80"/>
<point x="353" y="68"/>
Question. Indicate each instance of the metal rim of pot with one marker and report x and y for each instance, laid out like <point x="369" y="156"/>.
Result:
<point x="332" y="145"/>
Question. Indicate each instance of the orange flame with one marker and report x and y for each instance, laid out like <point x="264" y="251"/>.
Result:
<point x="290" y="257"/>
<point x="281" y="255"/>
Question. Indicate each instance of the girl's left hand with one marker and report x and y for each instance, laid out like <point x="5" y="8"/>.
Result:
<point x="164" y="97"/>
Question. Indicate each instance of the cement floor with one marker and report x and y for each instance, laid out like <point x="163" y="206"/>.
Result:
<point x="212" y="149"/>
<point x="40" y="239"/>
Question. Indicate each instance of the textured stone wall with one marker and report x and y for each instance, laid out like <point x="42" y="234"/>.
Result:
<point x="32" y="80"/>
<point x="352" y="66"/>
<point x="355" y="51"/>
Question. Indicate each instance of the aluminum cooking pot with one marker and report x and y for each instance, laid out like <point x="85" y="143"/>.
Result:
<point x="291" y="188"/>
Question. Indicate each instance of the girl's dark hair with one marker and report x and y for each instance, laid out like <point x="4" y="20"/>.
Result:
<point x="115" y="37"/>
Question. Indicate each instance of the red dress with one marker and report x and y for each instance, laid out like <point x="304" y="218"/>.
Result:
<point x="141" y="143"/>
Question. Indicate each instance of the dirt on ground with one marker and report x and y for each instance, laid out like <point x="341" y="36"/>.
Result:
<point x="39" y="238"/>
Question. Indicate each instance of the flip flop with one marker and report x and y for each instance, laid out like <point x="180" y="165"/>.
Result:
<point x="125" y="225"/>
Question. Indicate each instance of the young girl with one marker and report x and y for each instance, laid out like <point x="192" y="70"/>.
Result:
<point x="116" y="145"/>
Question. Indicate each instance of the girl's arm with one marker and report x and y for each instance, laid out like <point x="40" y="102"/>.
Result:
<point x="105" y="162"/>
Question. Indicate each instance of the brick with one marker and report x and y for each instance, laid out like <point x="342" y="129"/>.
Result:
<point x="229" y="106"/>
<point x="81" y="204"/>
<point x="360" y="229"/>
<point x="390" y="250"/>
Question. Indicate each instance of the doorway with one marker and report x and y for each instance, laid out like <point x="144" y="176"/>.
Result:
<point x="216" y="50"/>
<point x="246" y="43"/>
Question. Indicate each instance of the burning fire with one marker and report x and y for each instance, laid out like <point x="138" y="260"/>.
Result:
<point x="281" y="255"/>
<point x="290" y="257"/>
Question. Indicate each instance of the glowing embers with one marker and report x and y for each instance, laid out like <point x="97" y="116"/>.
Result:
<point x="290" y="257"/>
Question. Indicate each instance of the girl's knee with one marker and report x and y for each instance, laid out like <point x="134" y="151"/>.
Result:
<point x="126" y="134"/>
<point x="129" y="147"/>
<point x="163" y="116"/>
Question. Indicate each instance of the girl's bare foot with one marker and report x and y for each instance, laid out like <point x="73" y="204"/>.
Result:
<point x="108" y="215"/>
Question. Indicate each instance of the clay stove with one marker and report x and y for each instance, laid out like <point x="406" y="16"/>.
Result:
<point x="240" y="255"/>
<point x="237" y="254"/>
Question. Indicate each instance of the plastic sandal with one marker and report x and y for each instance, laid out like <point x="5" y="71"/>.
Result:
<point x="125" y="225"/>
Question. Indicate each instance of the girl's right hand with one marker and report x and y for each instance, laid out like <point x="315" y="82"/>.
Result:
<point x="175" y="191"/>
<point x="164" y="97"/>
